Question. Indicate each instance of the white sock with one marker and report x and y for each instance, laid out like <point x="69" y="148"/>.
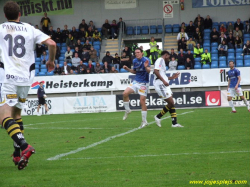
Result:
<point x="126" y="106"/>
<point x="144" y="116"/>
<point x="231" y="105"/>
<point x="245" y="101"/>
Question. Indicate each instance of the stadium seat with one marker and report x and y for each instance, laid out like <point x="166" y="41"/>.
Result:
<point x="207" y="31"/>
<point x="37" y="66"/>
<point x="214" y="48"/>
<point x="215" y="23"/>
<point x="222" y="64"/>
<point x="159" y="29"/>
<point x="50" y="73"/>
<point x="222" y="58"/>
<point x="239" y="57"/>
<point x="43" y="66"/>
<point x="197" y="59"/>
<point x="101" y="63"/>
<point x="197" y="66"/>
<point x="129" y="31"/>
<point x="94" y="63"/>
<point x="166" y="67"/>
<point x="246" y="57"/>
<point x="137" y="30"/>
<point x="214" y="44"/>
<point x="37" y="63"/>
<point x="58" y="44"/>
<point x="181" y="67"/>
<point x="246" y="35"/>
<point x="152" y="29"/>
<point x="60" y="65"/>
<point x="230" y="51"/>
<point x="176" y="28"/>
<point x="97" y="43"/>
<point x="69" y="64"/>
<point x="97" y="47"/>
<point x="85" y="63"/>
<point x="214" y="65"/>
<point x="123" y="70"/>
<point x="229" y="58"/>
<point x="206" y="66"/>
<point x="206" y="45"/>
<point x="144" y="30"/>
<point x="168" y="28"/>
<point x="214" y="51"/>
<point x="239" y="63"/>
<point x="197" y="63"/>
<point x="214" y="58"/>
<point x="206" y="37"/>
<point x="239" y="50"/>
<point x="214" y="62"/>
<point x="63" y="45"/>
<point x="247" y="63"/>
<point x="61" y="58"/>
<point x="43" y="70"/>
<point x="38" y="59"/>
<point x="41" y="74"/>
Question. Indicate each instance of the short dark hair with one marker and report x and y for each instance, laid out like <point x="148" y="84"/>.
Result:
<point x="11" y="10"/>
<point x="231" y="61"/>
<point x="164" y="52"/>
<point x="139" y="49"/>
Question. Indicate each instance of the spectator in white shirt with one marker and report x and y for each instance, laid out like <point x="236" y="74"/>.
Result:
<point x="182" y="34"/>
<point x="68" y="55"/>
<point x="173" y="64"/>
<point x="75" y="61"/>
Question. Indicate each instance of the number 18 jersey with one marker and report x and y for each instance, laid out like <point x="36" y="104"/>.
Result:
<point x="17" y="45"/>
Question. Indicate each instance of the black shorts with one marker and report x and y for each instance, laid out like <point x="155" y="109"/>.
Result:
<point x="41" y="101"/>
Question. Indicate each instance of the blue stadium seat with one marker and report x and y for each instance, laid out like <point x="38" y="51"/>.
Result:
<point x="43" y="66"/>
<point x="197" y="59"/>
<point x="129" y="30"/>
<point x="137" y="30"/>
<point x="37" y="66"/>
<point x="222" y="58"/>
<point x="215" y="58"/>
<point x="239" y="57"/>
<point x="38" y="59"/>
<point x="247" y="63"/>
<point x="60" y="65"/>
<point x="246" y="57"/>
<point x="69" y="64"/>
<point x="37" y="63"/>
<point x="85" y="63"/>
<point x="207" y="31"/>
<point x="222" y="64"/>
<point x="214" y="44"/>
<point x="197" y="66"/>
<point x="97" y="43"/>
<point x="168" y="28"/>
<point x="61" y="58"/>
<point x="123" y="70"/>
<point x="197" y="63"/>
<point x="159" y="29"/>
<point x="214" y="65"/>
<point x="239" y="50"/>
<point x="94" y="63"/>
<point x="207" y="41"/>
<point x="166" y="67"/>
<point x="230" y="50"/>
<point x="63" y="45"/>
<point x="214" y="51"/>
<point x="206" y="66"/>
<point x="214" y="62"/>
<point x="181" y="67"/>
<point x="61" y="61"/>
<point x="41" y="73"/>
<point x="239" y="63"/>
<point x="50" y="73"/>
<point x="43" y="70"/>
<point x="206" y="37"/>
<point x="246" y="35"/>
<point x="215" y="23"/>
<point x="152" y="29"/>
<point x="229" y="58"/>
<point x="144" y="30"/>
<point x="101" y="63"/>
<point x="214" y="48"/>
<point x="230" y="54"/>
<point x="58" y="44"/>
<point x="97" y="47"/>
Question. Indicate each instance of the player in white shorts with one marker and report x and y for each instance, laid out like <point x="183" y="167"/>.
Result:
<point x="17" y="43"/>
<point x="162" y="88"/>
<point x="234" y="88"/>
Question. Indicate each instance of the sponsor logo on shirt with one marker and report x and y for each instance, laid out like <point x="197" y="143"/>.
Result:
<point x="17" y="78"/>
<point x="11" y="96"/>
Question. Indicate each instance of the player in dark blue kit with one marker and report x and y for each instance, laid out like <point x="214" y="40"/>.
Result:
<point x="140" y="85"/>
<point x="41" y="99"/>
<point x="234" y="88"/>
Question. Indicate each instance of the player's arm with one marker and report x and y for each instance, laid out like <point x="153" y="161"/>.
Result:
<point x="147" y="68"/>
<point x="130" y="70"/>
<point x="174" y="76"/>
<point x="52" y="53"/>
<point x="158" y="75"/>
<point x="238" y="82"/>
<point x="228" y="84"/>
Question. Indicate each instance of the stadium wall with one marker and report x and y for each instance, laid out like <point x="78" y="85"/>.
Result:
<point x="146" y="9"/>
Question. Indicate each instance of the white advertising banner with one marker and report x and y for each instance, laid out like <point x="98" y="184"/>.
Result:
<point x="120" y="4"/>
<point x="168" y="9"/>
<point x="237" y="100"/>
<point x="90" y="104"/>
<point x="55" y="105"/>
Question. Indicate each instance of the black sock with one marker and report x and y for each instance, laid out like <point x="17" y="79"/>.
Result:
<point x="17" y="147"/>
<point x="14" y="131"/>
<point x="173" y="115"/>
<point x="164" y="111"/>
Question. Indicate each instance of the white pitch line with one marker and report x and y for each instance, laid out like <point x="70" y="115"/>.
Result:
<point x="104" y="141"/>
<point x="170" y="154"/>
<point x="62" y="128"/>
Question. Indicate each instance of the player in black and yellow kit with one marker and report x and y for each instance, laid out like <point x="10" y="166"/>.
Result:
<point x="45" y="21"/>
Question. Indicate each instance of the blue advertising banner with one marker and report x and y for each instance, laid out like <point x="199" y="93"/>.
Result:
<point x="219" y="3"/>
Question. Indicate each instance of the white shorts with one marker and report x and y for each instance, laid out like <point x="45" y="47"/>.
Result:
<point x="139" y="87"/>
<point x="232" y="92"/>
<point x="13" y="95"/>
<point x="163" y="91"/>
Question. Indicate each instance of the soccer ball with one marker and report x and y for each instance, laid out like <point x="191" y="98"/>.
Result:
<point x="44" y="96"/>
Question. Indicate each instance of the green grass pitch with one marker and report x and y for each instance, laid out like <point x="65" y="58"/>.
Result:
<point x="108" y="152"/>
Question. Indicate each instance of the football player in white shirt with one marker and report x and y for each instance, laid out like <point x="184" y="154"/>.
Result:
<point x="162" y="88"/>
<point x="17" y="43"/>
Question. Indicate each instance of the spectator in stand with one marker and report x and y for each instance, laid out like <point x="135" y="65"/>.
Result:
<point x="144" y="52"/>
<point x="83" y="25"/>
<point x="222" y="49"/>
<point x="77" y="51"/>
<point x="106" y="29"/>
<point x="127" y="51"/>
<point x="230" y="41"/>
<point x="182" y="44"/>
<point x="87" y="45"/>
<point x="71" y="41"/>
<point x="91" y="67"/>
<point x="107" y="58"/>
<point x="153" y="49"/>
<point x="116" y="61"/>
<point x="121" y="25"/>
<point x="246" y="48"/>
<point x="85" y="55"/>
<point x="190" y="56"/>
<point x="51" y="33"/>
<point x="92" y="26"/>
<point x="237" y="32"/>
<point x="247" y="28"/>
<point x="82" y="35"/>
<point x="106" y="68"/>
<point x="58" y="52"/>
<point x="125" y="60"/>
<point x="113" y="70"/>
<point x="97" y="35"/>
<point x="81" y="68"/>
<point x="58" y="36"/>
<point x="239" y="24"/>
<point x="93" y="54"/>
<point x="222" y="37"/>
<point x="181" y="58"/>
<point x="181" y="35"/>
<point x="44" y="57"/>
<point x="159" y="51"/>
<point x="98" y="68"/>
<point x="45" y="21"/>
<point x="79" y="45"/>
<point x="198" y="50"/>
<point x="223" y="28"/>
<point x="75" y="62"/>
<point x="173" y="64"/>
<point x="39" y="50"/>
<point x="134" y="47"/>
<point x="238" y="42"/>
<point x="173" y="54"/>
<point x="88" y="71"/>
<point x="114" y="29"/>
<point x="183" y="26"/>
<point x="206" y="58"/>
<point x="90" y="35"/>
<point x="189" y="64"/>
<point x="68" y="55"/>
<point x="190" y="29"/>
<point x="57" y="70"/>
<point x="65" y="33"/>
<point x="198" y="36"/>
<point x="190" y="44"/>
<point x="199" y="18"/>
<point x="201" y="28"/>
<point x="230" y="27"/>
<point x="214" y="35"/>
<point x="72" y="72"/>
<point x="65" y="69"/>
<point x="208" y="23"/>
<point x="74" y="33"/>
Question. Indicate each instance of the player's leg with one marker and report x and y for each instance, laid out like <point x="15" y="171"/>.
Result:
<point x="126" y="94"/>
<point x="240" y="93"/>
<point x="143" y="111"/>
<point x="172" y="112"/>
<point x="47" y="109"/>
<point x="231" y="93"/>
<point x="38" y="107"/>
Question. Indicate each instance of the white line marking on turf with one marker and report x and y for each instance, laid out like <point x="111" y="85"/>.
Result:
<point x="170" y="154"/>
<point x="104" y="141"/>
<point x="72" y="128"/>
